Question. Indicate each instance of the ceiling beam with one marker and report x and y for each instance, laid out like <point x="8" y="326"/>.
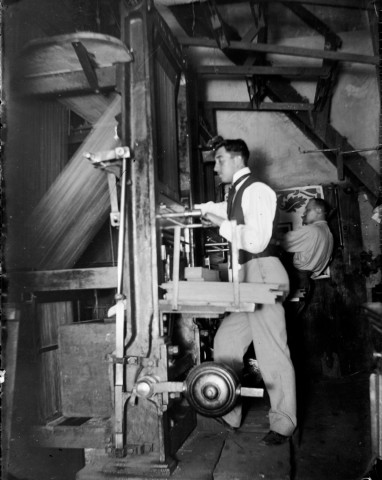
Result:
<point x="217" y="23"/>
<point x="58" y="280"/>
<point x="264" y="106"/>
<point x="259" y="23"/>
<point x="354" y="4"/>
<point x="315" y="23"/>
<point x="224" y="71"/>
<point x="283" y="50"/>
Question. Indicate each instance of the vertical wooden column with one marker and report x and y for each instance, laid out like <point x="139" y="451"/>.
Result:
<point x="139" y="283"/>
<point x="144" y="33"/>
<point x="140" y="265"/>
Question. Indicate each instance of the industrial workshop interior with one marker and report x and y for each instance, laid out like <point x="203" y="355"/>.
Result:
<point x="114" y="281"/>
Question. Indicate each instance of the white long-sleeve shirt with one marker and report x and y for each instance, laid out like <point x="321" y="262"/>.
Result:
<point x="312" y="246"/>
<point x="259" y="207"/>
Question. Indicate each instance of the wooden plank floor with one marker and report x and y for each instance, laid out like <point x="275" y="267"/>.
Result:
<point x="214" y="453"/>
<point x="244" y="458"/>
<point x="333" y="440"/>
<point x="198" y="457"/>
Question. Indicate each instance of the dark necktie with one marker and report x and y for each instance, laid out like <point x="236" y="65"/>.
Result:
<point x="232" y="191"/>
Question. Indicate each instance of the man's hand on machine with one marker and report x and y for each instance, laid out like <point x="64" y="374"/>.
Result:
<point x="206" y="217"/>
<point x="212" y="218"/>
<point x="199" y="206"/>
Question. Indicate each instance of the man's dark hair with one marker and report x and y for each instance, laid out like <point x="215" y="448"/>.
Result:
<point x="321" y="203"/>
<point x="237" y="146"/>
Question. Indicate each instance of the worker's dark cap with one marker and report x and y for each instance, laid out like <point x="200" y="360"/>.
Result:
<point x="215" y="142"/>
<point x="208" y="150"/>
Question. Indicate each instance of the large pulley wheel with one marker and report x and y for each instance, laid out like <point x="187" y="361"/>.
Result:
<point x="212" y="389"/>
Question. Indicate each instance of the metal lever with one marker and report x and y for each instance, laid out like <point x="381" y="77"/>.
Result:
<point x="110" y="161"/>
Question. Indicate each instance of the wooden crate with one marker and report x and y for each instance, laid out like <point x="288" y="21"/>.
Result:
<point x="85" y="383"/>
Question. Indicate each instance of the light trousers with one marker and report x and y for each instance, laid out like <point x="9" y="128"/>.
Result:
<point x="266" y="328"/>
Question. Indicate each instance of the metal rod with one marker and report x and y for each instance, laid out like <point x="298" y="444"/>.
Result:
<point x="192" y="243"/>
<point x="218" y="250"/>
<point x="378" y="147"/>
<point x="121" y="233"/>
<point x="339" y="219"/>
<point x="337" y="150"/>
<point x="319" y="151"/>
<point x="191" y="225"/>
<point x="186" y="213"/>
<point x="120" y="324"/>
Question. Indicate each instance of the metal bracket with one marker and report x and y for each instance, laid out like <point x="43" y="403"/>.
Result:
<point x="110" y="161"/>
<point x="131" y="360"/>
<point x="88" y="65"/>
<point x="115" y="216"/>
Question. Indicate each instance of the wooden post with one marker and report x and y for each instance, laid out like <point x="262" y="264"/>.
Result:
<point x="12" y="315"/>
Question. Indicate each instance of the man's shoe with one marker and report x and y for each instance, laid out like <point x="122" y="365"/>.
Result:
<point x="225" y="424"/>
<point x="273" y="439"/>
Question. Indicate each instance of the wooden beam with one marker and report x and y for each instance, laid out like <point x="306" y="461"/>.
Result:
<point x="259" y="23"/>
<point x="374" y="33"/>
<point x="56" y="280"/>
<point x="89" y="107"/>
<point x="218" y="25"/>
<point x="74" y="208"/>
<point x="283" y="50"/>
<point x="224" y="71"/>
<point x="264" y="106"/>
<point x="356" y="4"/>
<point x="260" y="15"/>
<point x="315" y="23"/>
<point x="251" y="33"/>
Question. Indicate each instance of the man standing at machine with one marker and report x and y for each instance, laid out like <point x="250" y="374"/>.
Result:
<point x="253" y="205"/>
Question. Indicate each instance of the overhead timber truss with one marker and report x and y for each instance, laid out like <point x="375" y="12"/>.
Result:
<point x="248" y="51"/>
